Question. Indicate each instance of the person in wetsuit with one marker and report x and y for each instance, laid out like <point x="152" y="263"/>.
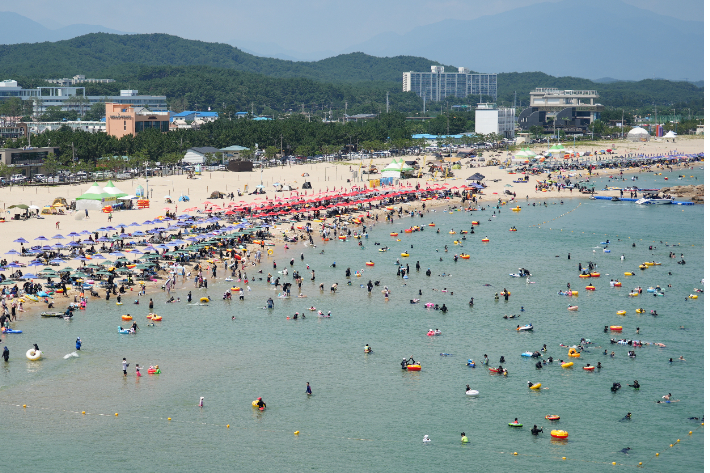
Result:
<point x="404" y="363"/>
<point x="535" y="430"/>
<point x="260" y="403"/>
<point x="6" y="354"/>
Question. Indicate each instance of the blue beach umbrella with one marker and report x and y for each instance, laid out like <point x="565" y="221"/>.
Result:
<point x="21" y="240"/>
<point x="41" y="238"/>
<point x="135" y="224"/>
<point x="58" y="237"/>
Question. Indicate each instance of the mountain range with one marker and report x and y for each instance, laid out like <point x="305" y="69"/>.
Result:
<point x="571" y="37"/>
<point x="20" y="29"/>
<point x="603" y="38"/>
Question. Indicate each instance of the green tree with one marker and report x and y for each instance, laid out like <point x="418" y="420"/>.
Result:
<point x="51" y="164"/>
<point x="96" y="112"/>
<point x="271" y="152"/>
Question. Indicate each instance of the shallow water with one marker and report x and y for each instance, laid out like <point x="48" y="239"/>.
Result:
<point x="366" y="413"/>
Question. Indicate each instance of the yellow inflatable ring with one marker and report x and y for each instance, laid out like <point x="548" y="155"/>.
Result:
<point x="628" y="274"/>
<point x="620" y="312"/>
<point x="405" y="255"/>
<point x="204" y="299"/>
<point x="270" y="251"/>
<point x="640" y="311"/>
<point x="33" y="354"/>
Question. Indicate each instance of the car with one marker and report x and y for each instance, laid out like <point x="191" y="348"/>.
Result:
<point x="39" y="178"/>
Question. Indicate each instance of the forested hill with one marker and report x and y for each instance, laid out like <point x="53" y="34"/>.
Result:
<point x="102" y="54"/>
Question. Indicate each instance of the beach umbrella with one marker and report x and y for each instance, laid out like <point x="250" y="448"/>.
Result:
<point x="58" y="237"/>
<point x="56" y="261"/>
<point x="104" y="239"/>
<point x="41" y="238"/>
<point x="80" y="258"/>
<point x="73" y="234"/>
<point x="148" y="222"/>
<point x="102" y="229"/>
<point x="13" y="252"/>
<point x="85" y="232"/>
<point x="121" y="225"/>
<point x="134" y="224"/>
<point x="116" y="253"/>
<point x="21" y="240"/>
<point x="35" y="263"/>
<point x="6" y="283"/>
<point x="28" y="276"/>
<point x="87" y="242"/>
<point x="110" y="229"/>
<point x="97" y="256"/>
<point x="46" y="248"/>
<point x="20" y="206"/>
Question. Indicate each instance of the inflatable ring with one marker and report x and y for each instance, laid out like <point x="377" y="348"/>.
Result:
<point x="414" y="367"/>
<point x="511" y="424"/>
<point x="536" y="386"/>
<point x="584" y="276"/>
<point x="615" y="328"/>
<point x="369" y="263"/>
<point x="627" y="273"/>
<point x="465" y="256"/>
<point x="475" y="222"/>
<point x="588" y="368"/>
<point x="573" y="353"/>
<point x="156" y="318"/>
<point x="590" y="288"/>
<point x="404" y="255"/>
<point x="270" y="251"/>
<point x="432" y="225"/>
<point x="342" y="237"/>
<point x="394" y="234"/>
<point x="485" y="240"/>
<point x="595" y="275"/>
<point x="559" y="434"/>
<point x="127" y="317"/>
<point x="567" y="365"/>
<point x="640" y="311"/>
<point x="692" y="296"/>
<point x="552" y="417"/>
<point x="204" y="299"/>
<point x="620" y="312"/>
<point x="33" y="354"/>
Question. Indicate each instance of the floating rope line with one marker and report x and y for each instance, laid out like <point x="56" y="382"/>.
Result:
<point x="566" y="213"/>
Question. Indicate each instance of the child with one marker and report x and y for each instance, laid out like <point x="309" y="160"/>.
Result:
<point x="138" y="370"/>
<point x="125" y="367"/>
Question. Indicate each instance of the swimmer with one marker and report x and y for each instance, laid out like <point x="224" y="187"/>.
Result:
<point x="667" y="397"/>
<point x="426" y="439"/>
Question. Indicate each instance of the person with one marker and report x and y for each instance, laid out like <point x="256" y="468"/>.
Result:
<point x="308" y="388"/>
<point x="599" y="365"/>
<point x="485" y="359"/>
<point x="6" y="354"/>
<point x="202" y="402"/>
<point x="404" y="363"/>
<point x="516" y="421"/>
<point x="627" y="416"/>
<point x="426" y="439"/>
<point x="368" y="348"/>
<point x="260" y="403"/>
<point x="138" y="370"/>
<point x="150" y="303"/>
<point x="78" y="343"/>
<point x="468" y="388"/>
<point x="411" y="361"/>
<point x="37" y="348"/>
<point x="636" y="384"/>
<point x="535" y="430"/>
<point x="502" y="359"/>
<point x="667" y="397"/>
<point x="464" y="439"/>
<point x="125" y="367"/>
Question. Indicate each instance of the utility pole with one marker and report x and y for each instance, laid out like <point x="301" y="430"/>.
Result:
<point x="424" y="106"/>
<point x="388" y="102"/>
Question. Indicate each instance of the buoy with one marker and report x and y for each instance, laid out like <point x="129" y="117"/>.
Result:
<point x="564" y="458"/>
<point x="24" y="405"/>
<point x="83" y="412"/>
<point x="515" y="453"/>
<point x="227" y="425"/>
<point x="690" y="433"/>
<point x="656" y="453"/>
<point x="297" y="432"/>
<point x="613" y="463"/>
<point x="640" y="463"/>
<point x="169" y="418"/>
<point x="116" y="414"/>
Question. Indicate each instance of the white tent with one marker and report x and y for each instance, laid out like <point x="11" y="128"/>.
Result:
<point x="637" y="134"/>
<point x="395" y="174"/>
<point x="113" y="191"/>
<point x="670" y="134"/>
<point x="91" y="199"/>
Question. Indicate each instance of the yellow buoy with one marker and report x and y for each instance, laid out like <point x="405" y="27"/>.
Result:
<point x="640" y="463"/>
<point x="170" y="418"/>
<point x="116" y="414"/>
<point x="515" y="453"/>
<point x="297" y="432"/>
<point x="690" y="433"/>
<point x="24" y="405"/>
<point x="564" y="458"/>
<point x="613" y="463"/>
<point x="656" y="453"/>
<point x="83" y="412"/>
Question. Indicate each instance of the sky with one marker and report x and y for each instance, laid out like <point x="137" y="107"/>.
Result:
<point x="305" y="26"/>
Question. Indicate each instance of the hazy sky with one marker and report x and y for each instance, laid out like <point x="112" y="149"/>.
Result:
<point x="302" y="25"/>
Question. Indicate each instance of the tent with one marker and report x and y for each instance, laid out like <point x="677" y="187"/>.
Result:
<point x="91" y="199"/>
<point x="670" y="134"/>
<point x="476" y="177"/>
<point x="400" y="166"/>
<point x="113" y="191"/>
<point x="637" y="134"/>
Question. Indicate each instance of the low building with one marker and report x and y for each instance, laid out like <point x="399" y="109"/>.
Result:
<point x="199" y="155"/>
<point x="76" y="125"/>
<point x="491" y="119"/>
<point x="75" y="98"/>
<point x="13" y="131"/>
<point x="78" y="79"/>
<point x="551" y="109"/>
<point x="122" y="120"/>
<point x="27" y="162"/>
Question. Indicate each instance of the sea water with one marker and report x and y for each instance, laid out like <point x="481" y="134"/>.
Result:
<point x="366" y="413"/>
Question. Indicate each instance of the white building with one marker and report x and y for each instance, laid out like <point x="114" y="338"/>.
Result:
<point x="198" y="155"/>
<point x="75" y="98"/>
<point x="490" y="119"/>
<point x="438" y="85"/>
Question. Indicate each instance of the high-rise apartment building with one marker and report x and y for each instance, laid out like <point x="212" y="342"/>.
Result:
<point x="436" y="85"/>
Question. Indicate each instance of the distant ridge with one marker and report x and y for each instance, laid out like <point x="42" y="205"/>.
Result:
<point x="18" y="29"/>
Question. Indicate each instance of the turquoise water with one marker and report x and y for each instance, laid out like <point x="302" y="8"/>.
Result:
<point x="366" y="413"/>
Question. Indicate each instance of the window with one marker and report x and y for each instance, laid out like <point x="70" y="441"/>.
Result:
<point x="124" y="125"/>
